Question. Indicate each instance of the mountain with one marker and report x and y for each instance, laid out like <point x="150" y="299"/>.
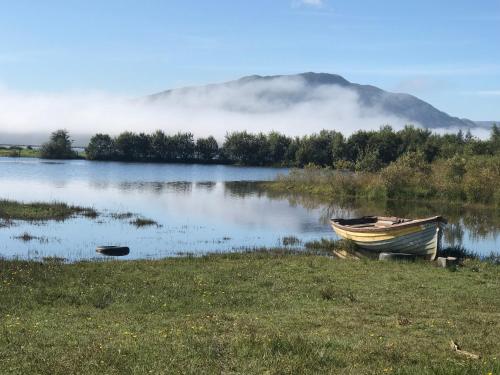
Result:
<point x="399" y="105"/>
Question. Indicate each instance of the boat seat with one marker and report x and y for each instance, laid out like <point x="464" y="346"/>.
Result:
<point x="384" y="224"/>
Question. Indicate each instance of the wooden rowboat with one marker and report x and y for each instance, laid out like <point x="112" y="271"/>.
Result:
<point x="376" y="234"/>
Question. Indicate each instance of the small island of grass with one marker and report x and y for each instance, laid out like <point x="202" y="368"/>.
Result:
<point x="41" y="211"/>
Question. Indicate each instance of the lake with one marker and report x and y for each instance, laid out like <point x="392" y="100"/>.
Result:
<point x="198" y="208"/>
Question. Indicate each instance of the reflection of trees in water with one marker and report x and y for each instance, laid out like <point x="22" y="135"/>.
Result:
<point x="454" y="234"/>
<point x="206" y="185"/>
<point x="243" y="189"/>
<point x="479" y="222"/>
<point x="156" y="187"/>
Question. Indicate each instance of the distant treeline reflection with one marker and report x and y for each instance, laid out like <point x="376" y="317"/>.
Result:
<point x="480" y="222"/>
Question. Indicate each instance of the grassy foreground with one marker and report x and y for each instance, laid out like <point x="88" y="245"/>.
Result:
<point x="249" y="313"/>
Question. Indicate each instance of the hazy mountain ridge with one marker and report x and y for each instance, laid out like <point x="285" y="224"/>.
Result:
<point x="487" y="124"/>
<point x="399" y="105"/>
<point x="295" y="105"/>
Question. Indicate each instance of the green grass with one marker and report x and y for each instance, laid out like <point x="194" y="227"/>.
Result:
<point x="251" y="313"/>
<point x="14" y="210"/>
<point x="25" y="153"/>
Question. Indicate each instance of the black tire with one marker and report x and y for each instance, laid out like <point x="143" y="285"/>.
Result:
<point x="116" y="251"/>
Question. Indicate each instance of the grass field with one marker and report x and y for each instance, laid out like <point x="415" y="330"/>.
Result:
<point x="25" y="153"/>
<point x="28" y="153"/>
<point x="251" y="313"/>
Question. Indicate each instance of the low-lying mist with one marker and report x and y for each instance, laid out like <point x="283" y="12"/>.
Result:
<point x="284" y="104"/>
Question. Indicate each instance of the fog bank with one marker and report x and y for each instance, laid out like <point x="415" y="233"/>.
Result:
<point x="285" y="104"/>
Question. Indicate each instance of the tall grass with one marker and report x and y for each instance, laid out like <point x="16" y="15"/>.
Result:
<point x="471" y="180"/>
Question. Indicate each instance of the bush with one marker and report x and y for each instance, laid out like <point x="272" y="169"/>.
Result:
<point x="481" y="179"/>
<point x="207" y="148"/>
<point x="369" y="161"/>
<point x="101" y="147"/>
<point x="58" y="147"/>
<point x="409" y="176"/>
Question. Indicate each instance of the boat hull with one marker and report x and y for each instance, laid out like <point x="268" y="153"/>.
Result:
<point x="422" y="240"/>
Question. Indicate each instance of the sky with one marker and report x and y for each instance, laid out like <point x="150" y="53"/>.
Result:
<point x="445" y="52"/>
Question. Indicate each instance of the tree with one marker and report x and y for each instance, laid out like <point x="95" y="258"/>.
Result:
<point x="278" y="147"/>
<point x="126" y="146"/>
<point x="357" y="144"/>
<point x="101" y="147"/>
<point x="317" y="148"/>
<point x="207" y="148"/>
<point x="339" y="148"/>
<point x="184" y="146"/>
<point x="58" y="146"/>
<point x="245" y="148"/>
<point x="386" y="143"/>
<point x="413" y="139"/>
<point x="142" y="147"/>
<point x="159" y="146"/>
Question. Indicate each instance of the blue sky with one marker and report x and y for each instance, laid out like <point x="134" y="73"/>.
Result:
<point x="445" y="52"/>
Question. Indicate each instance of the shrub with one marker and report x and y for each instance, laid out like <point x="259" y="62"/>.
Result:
<point x="409" y="176"/>
<point x="101" y="147"/>
<point x="58" y="146"/>
<point x="481" y="179"/>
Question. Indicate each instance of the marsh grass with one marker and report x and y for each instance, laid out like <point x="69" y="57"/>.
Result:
<point x="143" y="222"/>
<point x="27" y="237"/>
<point x="327" y="246"/>
<point x="40" y="211"/>
<point x="138" y="221"/>
<point x="277" y="312"/>
<point x="122" y="215"/>
<point x="472" y="180"/>
<point x="290" y="241"/>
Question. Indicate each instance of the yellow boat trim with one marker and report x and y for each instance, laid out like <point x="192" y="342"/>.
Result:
<point x="378" y="236"/>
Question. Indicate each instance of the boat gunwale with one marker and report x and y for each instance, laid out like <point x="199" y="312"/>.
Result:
<point x="335" y="223"/>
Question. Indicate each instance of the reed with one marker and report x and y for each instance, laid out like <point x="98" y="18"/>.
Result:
<point x="474" y="180"/>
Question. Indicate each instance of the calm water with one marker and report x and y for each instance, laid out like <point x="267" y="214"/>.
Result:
<point x="199" y="208"/>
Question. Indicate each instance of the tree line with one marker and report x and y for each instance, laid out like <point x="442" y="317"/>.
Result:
<point x="363" y="150"/>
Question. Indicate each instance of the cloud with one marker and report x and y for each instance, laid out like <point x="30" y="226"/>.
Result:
<point x="308" y="3"/>
<point x="315" y="3"/>
<point x="284" y="104"/>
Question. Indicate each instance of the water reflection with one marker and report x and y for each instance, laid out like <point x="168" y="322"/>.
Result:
<point x="467" y="226"/>
<point x="200" y="209"/>
<point x="157" y="187"/>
